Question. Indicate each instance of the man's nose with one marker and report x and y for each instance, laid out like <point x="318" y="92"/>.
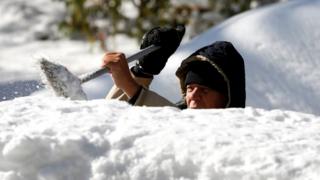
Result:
<point x="195" y="92"/>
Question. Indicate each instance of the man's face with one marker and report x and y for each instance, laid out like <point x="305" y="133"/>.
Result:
<point x="202" y="97"/>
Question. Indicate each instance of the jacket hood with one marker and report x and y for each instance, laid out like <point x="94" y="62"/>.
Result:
<point x="227" y="62"/>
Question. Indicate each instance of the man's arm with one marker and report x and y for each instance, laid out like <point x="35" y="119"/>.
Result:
<point x="120" y="72"/>
<point x="133" y="86"/>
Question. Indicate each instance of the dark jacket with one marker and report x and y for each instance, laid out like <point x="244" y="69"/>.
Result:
<point x="228" y="63"/>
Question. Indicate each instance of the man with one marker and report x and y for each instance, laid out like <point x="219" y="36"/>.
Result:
<point x="212" y="77"/>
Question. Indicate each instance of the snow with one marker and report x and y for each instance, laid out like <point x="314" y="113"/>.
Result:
<point x="44" y="137"/>
<point x="98" y="139"/>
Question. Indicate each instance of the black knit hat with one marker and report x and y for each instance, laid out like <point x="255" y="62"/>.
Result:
<point x="204" y="74"/>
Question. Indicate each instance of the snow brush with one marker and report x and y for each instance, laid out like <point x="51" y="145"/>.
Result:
<point x="68" y="85"/>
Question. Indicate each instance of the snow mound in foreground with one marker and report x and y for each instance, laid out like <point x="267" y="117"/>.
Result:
<point x="58" y="139"/>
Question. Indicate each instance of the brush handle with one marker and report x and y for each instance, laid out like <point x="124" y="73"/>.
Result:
<point x="87" y="77"/>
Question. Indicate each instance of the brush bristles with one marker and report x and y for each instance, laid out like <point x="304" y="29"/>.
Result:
<point x="63" y="83"/>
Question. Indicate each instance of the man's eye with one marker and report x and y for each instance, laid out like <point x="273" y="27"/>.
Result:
<point x="189" y="89"/>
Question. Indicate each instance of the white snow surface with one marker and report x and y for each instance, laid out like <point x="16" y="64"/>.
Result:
<point x="55" y="138"/>
<point x="276" y="137"/>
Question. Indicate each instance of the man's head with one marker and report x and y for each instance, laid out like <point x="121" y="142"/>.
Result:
<point x="205" y="87"/>
<point x="213" y="77"/>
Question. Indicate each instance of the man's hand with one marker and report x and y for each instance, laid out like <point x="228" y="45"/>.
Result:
<point x="168" y="38"/>
<point x="120" y="72"/>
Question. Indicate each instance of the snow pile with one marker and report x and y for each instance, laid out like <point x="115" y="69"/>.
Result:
<point x="58" y="139"/>
<point x="280" y="47"/>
